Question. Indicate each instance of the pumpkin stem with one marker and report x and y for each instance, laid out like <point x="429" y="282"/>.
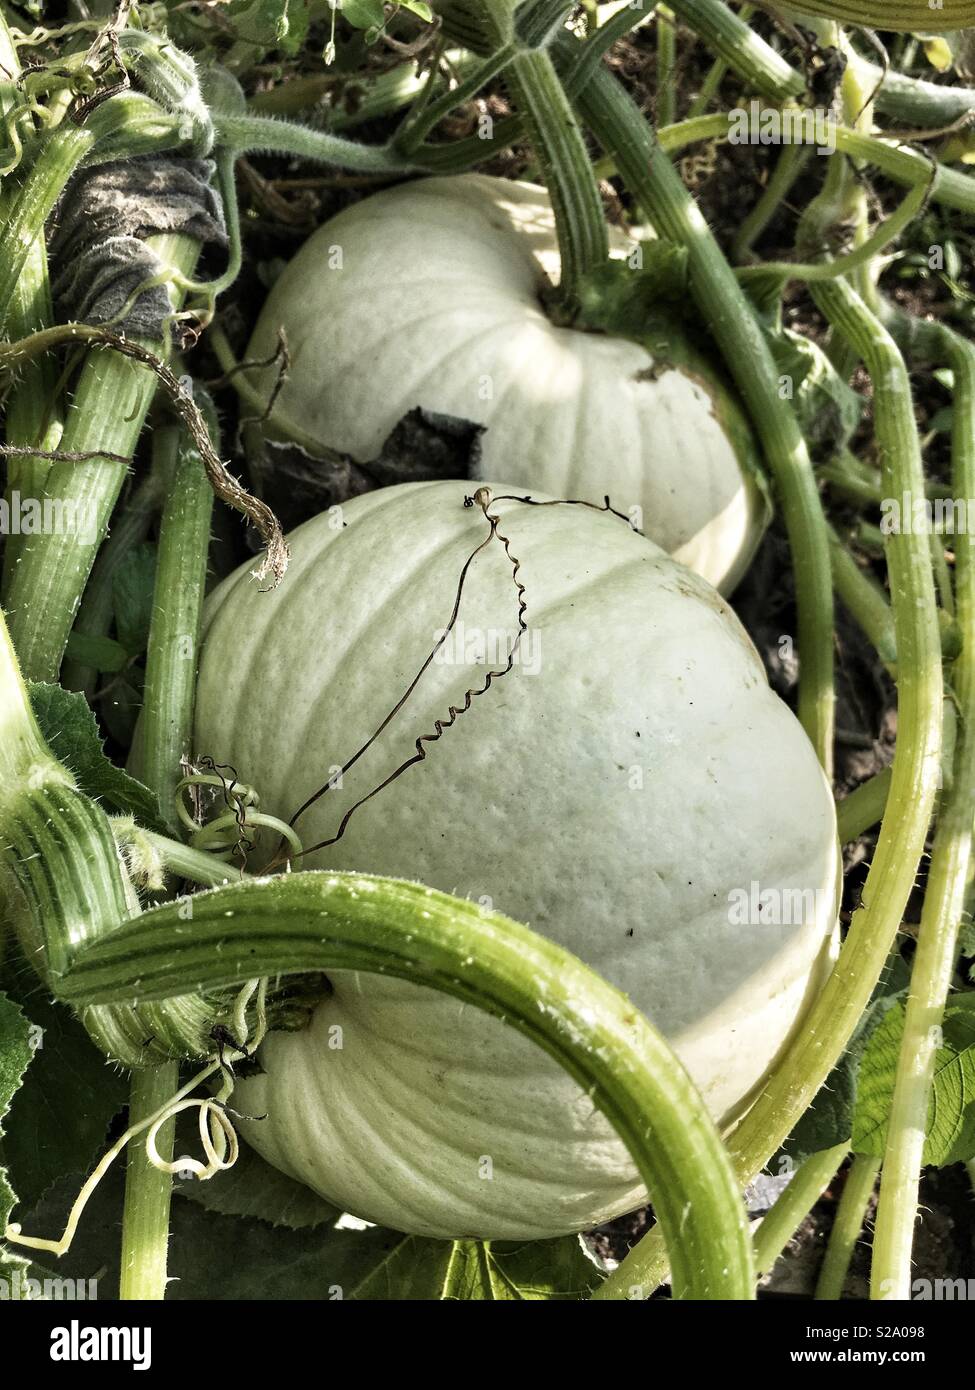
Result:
<point x="560" y="147"/>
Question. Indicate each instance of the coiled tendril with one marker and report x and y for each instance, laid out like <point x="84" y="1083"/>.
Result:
<point x="230" y="832"/>
<point x="217" y="1134"/>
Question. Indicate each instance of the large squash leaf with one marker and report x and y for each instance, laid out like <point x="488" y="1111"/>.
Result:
<point x="951" y="1114"/>
<point x="16" y="1050"/>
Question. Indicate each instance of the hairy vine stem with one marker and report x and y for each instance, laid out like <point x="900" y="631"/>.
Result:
<point x="62" y="872"/>
<point x="847" y="1225"/>
<point x="317" y="921"/>
<point x="804" y="1190"/>
<point x="174" y="634"/>
<point x="31" y="416"/>
<point x="863" y="808"/>
<point x="765" y="71"/>
<point x="901" y="16"/>
<point x="944" y="898"/>
<point x="561" y="151"/>
<point x="166" y="734"/>
<point x="50" y="579"/>
<point x="622" y="131"/>
<point x="902" y="163"/>
<point x="416" y="128"/>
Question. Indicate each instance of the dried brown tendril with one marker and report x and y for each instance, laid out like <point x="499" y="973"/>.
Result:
<point x="281" y="358"/>
<point x="224" y="484"/>
<point x="481" y="498"/>
<point x="27" y="451"/>
<point x="235" y="804"/>
<point x="280" y="354"/>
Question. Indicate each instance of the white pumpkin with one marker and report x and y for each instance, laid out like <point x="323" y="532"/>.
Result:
<point x="428" y="295"/>
<point x="627" y="789"/>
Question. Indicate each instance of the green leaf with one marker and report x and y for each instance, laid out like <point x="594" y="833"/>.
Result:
<point x="122" y="705"/>
<point x="418" y="1269"/>
<point x="417" y="7"/>
<point x="829" y="1120"/>
<point x="951" y="1114"/>
<point x="238" y="1258"/>
<point x="369" y="1264"/>
<point x="69" y="728"/>
<point x="60" y="1116"/>
<point x="253" y="1188"/>
<point x="16" y="1050"/>
<point x="271" y="24"/>
<point x="829" y="410"/>
<point x="100" y="653"/>
<point x="133" y="585"/>
<point x="364" y="14"/>
<point x="938" y="52"/>
<point x="942" y="420"/>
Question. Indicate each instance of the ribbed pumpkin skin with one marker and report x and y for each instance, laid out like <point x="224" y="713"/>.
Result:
<point x="532" y="800"/>
<point x="436" y="304"/>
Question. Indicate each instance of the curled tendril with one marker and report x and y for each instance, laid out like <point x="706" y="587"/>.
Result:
<point x="10" y="122"/>
<point x="229" y="833"/>
<point x="206" y="292"/>
<point x="217" y="1134"/>
<point x="224" y="484"/>
<point x="218" y="1138"/>
<point x="40" y="34"/>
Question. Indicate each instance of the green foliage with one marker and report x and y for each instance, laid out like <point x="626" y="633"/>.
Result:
<point x="271" y="24"/>
<point x="829" y="410"/>
<point x="16" y="1050"/>
<point x="364" y="14"/>
<point x="830" y="1118"/>
<point x="951" y="1116"/>
<point x="470" y="1269"/>
<point x="253" y="1188"/>
<point x="239" y="1258"/>
<point x="133" y="584"/>
<point x="60" y="1115"/>
<point x="102" y="654"/>
<point x="69" y="728"/>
